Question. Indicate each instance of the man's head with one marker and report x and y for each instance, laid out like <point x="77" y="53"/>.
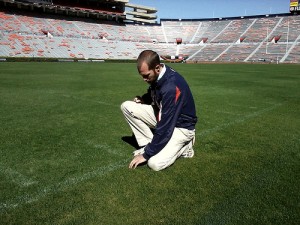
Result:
<point x="148" y="65"/>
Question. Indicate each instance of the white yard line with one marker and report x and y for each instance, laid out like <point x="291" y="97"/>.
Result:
<point x="56" y="188"/>
<point x="229" y="113"/>
<point x="240" y="120"/>
<point x="106" y="148"/>
<point x="89" y="100"/>
<point x="16" y="177"/>
<point x="82" y="99"/>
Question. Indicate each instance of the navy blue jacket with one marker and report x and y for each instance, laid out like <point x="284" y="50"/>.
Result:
<point x="174" y="105"/>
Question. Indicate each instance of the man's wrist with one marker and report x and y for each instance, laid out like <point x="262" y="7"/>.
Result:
<point x="147" y="157"/>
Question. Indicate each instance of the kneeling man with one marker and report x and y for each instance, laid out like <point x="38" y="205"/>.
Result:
<point x="162" y="120"/>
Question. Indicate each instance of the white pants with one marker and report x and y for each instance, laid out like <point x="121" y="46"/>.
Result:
<point x="141" y="119"/>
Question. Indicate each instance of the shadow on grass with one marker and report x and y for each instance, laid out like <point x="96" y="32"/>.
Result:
<point x="131" y="140"/>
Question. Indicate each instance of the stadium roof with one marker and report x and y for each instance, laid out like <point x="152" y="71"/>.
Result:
<point x="49" y="7"/>
<point x="124" y="1"/>
<point x="146" y="8"/>
<point x="140" y="13"/>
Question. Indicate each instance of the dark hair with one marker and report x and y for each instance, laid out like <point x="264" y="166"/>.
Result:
<point x="151" y="58"/>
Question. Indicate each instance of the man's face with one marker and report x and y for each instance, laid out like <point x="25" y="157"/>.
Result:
<point x="149" y="76"/>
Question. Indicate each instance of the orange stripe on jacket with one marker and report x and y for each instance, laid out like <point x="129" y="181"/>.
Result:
<point x="178" y="92"/>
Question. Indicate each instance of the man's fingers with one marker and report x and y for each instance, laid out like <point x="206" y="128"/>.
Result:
<point x="136" y="161"/>
<point x="138" y="99"/>
<point x="130" y="165"/>
<point x="133" y="164"/>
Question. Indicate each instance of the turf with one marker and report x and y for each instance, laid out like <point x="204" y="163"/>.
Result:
<point x="63" y="160"/>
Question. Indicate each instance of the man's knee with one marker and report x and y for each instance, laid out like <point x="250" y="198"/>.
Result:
<point x="153" y="165"/>
<point x="156" y="165"/>
<point x="125" y="106"/>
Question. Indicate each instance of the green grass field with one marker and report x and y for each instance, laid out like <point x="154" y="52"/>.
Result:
<point x="63" y="160"/>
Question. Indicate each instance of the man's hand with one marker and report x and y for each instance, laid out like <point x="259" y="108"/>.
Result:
<point x="138" y="99"/>
<point x="136" y="161"/>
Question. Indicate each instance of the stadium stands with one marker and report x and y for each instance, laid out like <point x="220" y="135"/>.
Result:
<point x="273" y="38"/>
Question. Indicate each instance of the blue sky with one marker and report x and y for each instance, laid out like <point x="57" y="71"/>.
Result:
<point x="197" y="9"/>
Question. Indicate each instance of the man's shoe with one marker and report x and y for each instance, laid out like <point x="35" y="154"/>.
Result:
<point x="189" y="152"/>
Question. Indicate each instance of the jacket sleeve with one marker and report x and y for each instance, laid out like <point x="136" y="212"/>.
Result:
<point x="171" y="105"/>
